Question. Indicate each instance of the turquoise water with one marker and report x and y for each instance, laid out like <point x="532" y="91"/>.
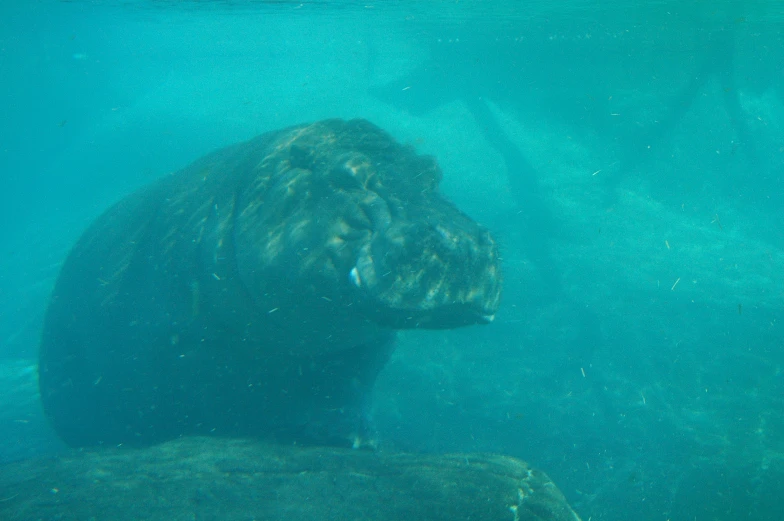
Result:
<point x="628" y="157"/>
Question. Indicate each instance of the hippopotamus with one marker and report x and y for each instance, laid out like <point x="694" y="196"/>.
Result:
<point x="257" y="291"/>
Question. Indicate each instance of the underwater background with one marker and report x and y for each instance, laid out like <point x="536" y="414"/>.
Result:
<point x="628" y="157"/>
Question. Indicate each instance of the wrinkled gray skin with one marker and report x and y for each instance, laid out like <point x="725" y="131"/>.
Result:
<point x="256" y="292"/>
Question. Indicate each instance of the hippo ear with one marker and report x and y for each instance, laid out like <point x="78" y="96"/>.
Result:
<point x="301" y="156"/>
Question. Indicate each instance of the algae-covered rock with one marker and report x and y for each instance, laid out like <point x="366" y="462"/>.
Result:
<point x="220" y="479"/>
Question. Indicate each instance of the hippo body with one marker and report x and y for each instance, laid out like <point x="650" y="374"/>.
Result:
<point x="257" y="291"/>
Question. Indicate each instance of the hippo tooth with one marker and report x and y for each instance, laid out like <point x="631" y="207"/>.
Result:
<point x="353" y="276"/>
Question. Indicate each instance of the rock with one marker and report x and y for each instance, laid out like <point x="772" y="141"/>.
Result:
<point x="232" y="479"/>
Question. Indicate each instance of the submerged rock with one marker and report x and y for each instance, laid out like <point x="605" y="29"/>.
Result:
<point x="223" y="479"/>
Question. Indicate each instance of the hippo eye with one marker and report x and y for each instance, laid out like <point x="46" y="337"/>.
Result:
<point x="300" y="156"/>
<point x="358" y="220"/>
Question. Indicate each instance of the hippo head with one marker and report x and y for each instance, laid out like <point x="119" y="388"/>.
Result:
<point x="340" y="215"/>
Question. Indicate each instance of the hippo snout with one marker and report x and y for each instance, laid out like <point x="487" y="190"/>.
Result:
<point x="424" y="275"/>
